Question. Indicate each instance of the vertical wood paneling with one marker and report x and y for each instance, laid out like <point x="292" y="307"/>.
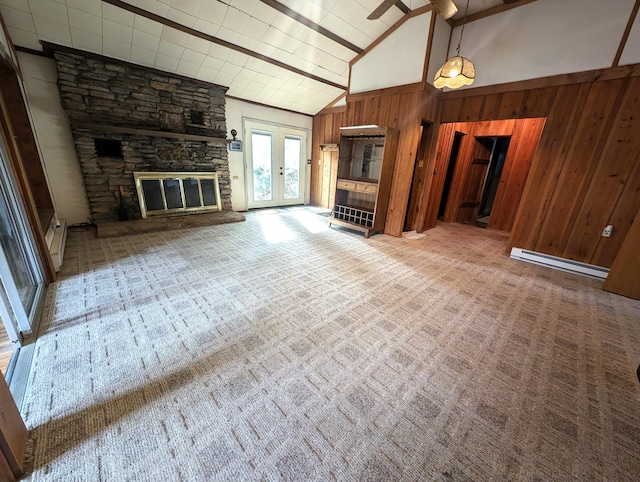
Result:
<point x="317" y="178"/>
<point x="583" y="174"/>
<point x="437" y="172"/>
<point x="403" y="111"/>
<point x="607" y="183"/>
<point x="538" y="102"/>
<point x="580" y="164"/>
<point x="410" y="126"/>
<point x="621" y="218"/>
<point x="326" y="130"/>
<point x="426" y="177"/>
<point x="451" y="109"/>
<point x="623" y="278"/>
<point x="547" y="163"/>
<point x="460" y="171"/>
<point x="417" y="181"/>
<point x="492" y="106"/>
<point x="511" y="105"/>
<point x="526" y="134"/>
<point x="13" y="433"/>
<point x="473" y="108"/>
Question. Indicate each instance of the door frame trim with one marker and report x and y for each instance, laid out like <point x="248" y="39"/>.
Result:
<point x="306" y="181"/>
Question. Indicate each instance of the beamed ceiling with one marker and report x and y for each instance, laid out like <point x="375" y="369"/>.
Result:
<point x="291" y="54"/>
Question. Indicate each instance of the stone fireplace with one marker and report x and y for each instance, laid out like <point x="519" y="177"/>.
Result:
<point x="127" y="119"/>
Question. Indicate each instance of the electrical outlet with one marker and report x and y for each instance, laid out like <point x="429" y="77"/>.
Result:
<point x="607" y="231"/>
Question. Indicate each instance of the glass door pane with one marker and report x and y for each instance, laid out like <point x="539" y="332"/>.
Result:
<point x="25" y="285"/>
<point x="20" y="272"/>
<point x="276" y="173"/>
<point x="292" y="158"/>
<point x="261" y="150"/>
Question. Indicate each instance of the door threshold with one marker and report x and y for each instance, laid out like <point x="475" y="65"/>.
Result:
<point x="19" y="379"/>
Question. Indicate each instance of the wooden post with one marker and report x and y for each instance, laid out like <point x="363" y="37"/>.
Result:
<point x="13" y="434"/>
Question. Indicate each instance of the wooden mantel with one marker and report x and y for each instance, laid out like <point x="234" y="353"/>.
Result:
<point x="148" y="132"/>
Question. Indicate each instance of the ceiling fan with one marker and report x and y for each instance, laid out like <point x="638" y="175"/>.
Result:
<point x="445" y="8"/>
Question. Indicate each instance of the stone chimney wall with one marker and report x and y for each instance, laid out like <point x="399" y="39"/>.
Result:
<point x="96" y="92"/>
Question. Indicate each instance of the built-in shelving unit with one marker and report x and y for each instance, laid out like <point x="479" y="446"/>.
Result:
<point x="365" y="171"/>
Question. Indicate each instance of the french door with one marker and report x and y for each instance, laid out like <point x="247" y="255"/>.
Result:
<point x="22" y="285"/>
<point x="275" y="163"/>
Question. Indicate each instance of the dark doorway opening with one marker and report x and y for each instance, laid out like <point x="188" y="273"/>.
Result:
<point x="499" y="147"/>
<point x="451" y="167"/>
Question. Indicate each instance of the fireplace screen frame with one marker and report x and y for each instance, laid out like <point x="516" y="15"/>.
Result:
<point x="160" y="177"/>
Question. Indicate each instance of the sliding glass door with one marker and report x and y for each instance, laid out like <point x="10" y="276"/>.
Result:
<point x="21" y="276"/>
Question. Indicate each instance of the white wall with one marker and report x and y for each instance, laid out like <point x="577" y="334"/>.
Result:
<point x="397" y="60"/>
<point x="54" y="138"/>
<point x="439" y="48"/>
<point x="631" y="53"/>
<point x="236" y="110"/>
<point x="544" y="38"/>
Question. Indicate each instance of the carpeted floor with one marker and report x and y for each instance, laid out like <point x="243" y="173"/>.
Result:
<point x="278" y="349"/>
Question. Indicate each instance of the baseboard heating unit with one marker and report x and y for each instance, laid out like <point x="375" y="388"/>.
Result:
<point x="568" y="265"/>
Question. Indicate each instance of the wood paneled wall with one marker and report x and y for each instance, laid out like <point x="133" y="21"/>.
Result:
<point x="585" y="171"/>
<point x="324" y="164"/>
<point x="524" y="134"/>
<point x="585" y="174"/>
<point x="404" y="111"/>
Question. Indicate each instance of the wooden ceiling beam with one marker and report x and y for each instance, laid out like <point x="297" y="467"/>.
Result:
<point x="196" y="33"/>
<point x="312" y="25"/>
<point x="625" y="35"/>
<point x="507" y="5"/>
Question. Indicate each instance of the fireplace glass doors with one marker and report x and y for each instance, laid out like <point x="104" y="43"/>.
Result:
<point x="168" y="193"/>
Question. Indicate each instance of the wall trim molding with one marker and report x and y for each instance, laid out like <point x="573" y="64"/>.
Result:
<point x="399" y="89"/>
<point x="627" y="31"/>
<point x="491" y="11"/>
<point x="610" y="73"/>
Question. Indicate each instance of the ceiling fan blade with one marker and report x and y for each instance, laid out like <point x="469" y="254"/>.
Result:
<point x="445" y="8"/>
<point x="381" y="9"/>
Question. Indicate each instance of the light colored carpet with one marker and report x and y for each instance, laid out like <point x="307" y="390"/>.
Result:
<point x="279" y="349"/>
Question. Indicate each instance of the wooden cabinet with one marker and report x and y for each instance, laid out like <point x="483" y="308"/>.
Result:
<point x="365" y="171"/>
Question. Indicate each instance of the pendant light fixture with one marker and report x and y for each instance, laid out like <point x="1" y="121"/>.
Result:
<point x="456" y="71"/>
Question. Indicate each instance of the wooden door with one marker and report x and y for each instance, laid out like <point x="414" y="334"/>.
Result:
<point x="474" y="183"/>
<point x="329" y="166"/>
<point x="438" y="172"/>
<point x="411" y="221"/>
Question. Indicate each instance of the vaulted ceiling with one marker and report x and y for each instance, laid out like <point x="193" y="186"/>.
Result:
<point x="291" y="54"/>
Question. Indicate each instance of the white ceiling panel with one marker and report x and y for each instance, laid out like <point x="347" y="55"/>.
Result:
<point x="20" y="19"/>
<point x="318" y="61"/>
<point x="86" y="38"/>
